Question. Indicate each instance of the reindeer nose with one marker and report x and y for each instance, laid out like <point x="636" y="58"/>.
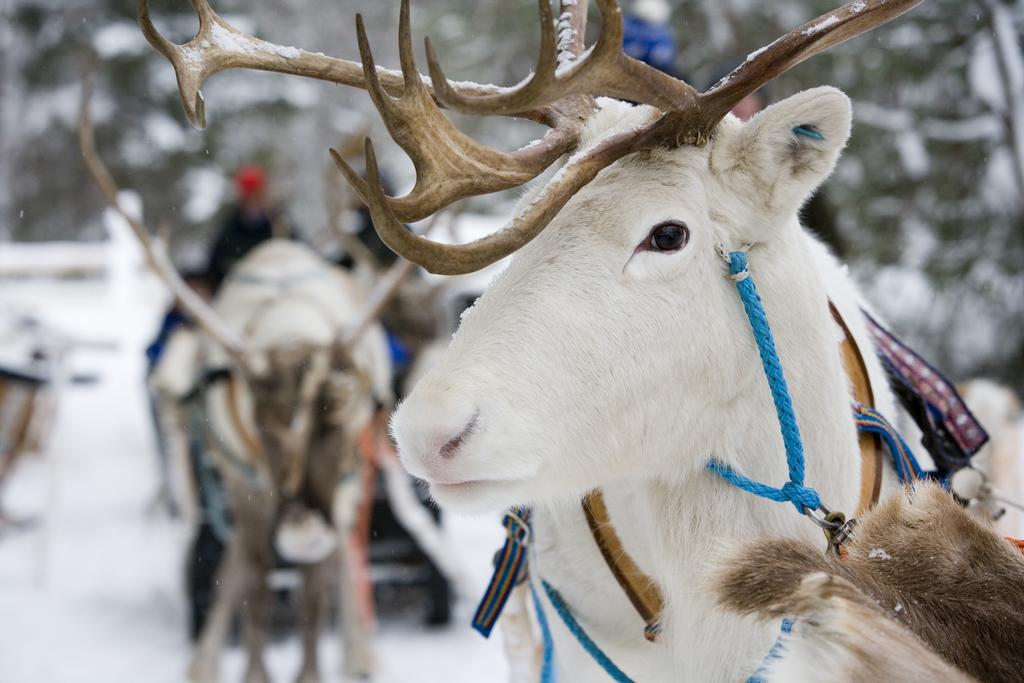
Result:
<point x="430" y="430"/>
<point x="451" y="447"/>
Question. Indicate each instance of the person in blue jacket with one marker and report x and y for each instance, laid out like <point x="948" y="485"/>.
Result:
<point x="649" y="36"/>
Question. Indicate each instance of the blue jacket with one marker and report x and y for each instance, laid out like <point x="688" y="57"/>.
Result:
<point x="650" y="43"/>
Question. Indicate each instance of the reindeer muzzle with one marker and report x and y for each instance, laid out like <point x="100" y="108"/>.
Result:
<point x="303" y="536"/>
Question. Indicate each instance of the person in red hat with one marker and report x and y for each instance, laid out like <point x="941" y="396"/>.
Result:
<point x="250" y="221"/>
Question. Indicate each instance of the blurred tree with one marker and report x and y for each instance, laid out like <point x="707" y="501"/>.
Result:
<point x="928" y="197"/>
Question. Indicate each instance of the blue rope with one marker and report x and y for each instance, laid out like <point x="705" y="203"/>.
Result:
<point x="584" y="640"/>
<point x="775" y="654"/>
<point x="547" y="668"/>
<point x="802" y="497"/>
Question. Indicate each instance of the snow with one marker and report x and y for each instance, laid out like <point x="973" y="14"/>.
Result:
<point x="754" y="55"/>
<point x="93" y="592"/>
<point x="233" y="41"/>
<point x="119" y="39"/>
<point x="983" y="75"/>
<point x="206" y="188"/>
<point x="998" y="186"/>
<point x="164" y="132"/>
<point x="913" y="154"/>
<point x="566" y="37"/>
<point x="821" y="26"/>
<point x="53" y="260"/>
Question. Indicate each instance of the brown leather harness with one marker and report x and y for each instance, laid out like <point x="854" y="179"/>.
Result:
<point x="643" y="592"/>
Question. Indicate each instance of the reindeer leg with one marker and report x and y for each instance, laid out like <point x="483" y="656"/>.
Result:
<point x="314" y="600"/>
<point x="256" y="615"/>
<point x="356" y="625"/>
<point x="523" y="650"/>
<point x="356" y="629"/>
<point x="231" y="579"/>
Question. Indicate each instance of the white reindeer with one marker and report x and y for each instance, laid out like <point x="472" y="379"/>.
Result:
<point x="614" y="352"/>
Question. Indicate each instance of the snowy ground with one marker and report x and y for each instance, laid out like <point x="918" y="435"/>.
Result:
<point x="94" y="592"/>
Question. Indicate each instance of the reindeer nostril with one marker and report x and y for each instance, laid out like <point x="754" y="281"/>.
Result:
<point x="451" y="448"/>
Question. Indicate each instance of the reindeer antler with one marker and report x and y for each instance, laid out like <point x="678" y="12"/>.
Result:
<point x="451" y="166"/>
<point x="688" y="118"/>
<point x="605" y="70"/>
<point x="802" y="43"/>
<point x="157" y="259"/>
<point x="218" y="46"/>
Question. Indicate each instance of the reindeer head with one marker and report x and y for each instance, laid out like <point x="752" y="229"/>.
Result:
<point x="307" y="402"/>
<point x="614" y="314"/>
<point x="614" y="341"/>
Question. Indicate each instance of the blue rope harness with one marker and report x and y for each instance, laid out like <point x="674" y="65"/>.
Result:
<point x="804" y="498"/>
<point x="588" y="644"/>
<point x="547" y="665"/>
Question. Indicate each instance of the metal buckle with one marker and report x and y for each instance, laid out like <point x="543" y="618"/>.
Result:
<point x="837" y="528"/>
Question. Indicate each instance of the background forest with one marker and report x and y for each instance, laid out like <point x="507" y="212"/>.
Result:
<point x="927" y="203"/>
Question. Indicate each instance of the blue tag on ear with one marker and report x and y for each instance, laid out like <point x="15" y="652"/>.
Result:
<point x="808" y="132"/>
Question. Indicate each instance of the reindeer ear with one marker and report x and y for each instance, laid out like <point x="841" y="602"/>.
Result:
<point x="792" y="146"/>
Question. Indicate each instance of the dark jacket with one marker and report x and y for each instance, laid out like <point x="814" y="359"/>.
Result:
<point x="241" y="233"/>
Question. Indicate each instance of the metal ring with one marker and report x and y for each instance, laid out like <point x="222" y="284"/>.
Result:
<point x="826" y="524"/>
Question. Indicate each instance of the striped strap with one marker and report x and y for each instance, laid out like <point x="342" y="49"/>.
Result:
<point x="952" y="435"/>
<point x="871" y="421"/>
<point x="509" y="563"/>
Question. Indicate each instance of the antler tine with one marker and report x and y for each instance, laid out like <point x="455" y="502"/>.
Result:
<point x="519" y="99"/>
<point x="449" y="164"/>
<point x="602" y="70"/>
<point x="199" y="310"/>
<point x="218" y="46"/>
<point x="459" y="259"/>
<point x="814" y="37"/>
<point x="572" y="28"/>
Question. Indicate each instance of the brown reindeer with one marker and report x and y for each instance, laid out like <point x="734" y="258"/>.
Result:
<point x="924" y="592"/>
<point x="306" y="364"/>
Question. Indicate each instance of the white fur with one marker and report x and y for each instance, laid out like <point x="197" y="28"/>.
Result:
<point x="283" y="293"/>
<point x="998" y="408"/>
<point x="588" y="364"/>
<point x="305" y="539"/>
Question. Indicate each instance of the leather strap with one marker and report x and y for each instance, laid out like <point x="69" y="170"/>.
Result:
<point x="252" y="444"/>
<point x="641" y="589"/>
<point x="871" y="454"/>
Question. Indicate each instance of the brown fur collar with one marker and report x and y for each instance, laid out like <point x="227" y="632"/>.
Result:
<point x="917" y="560"/>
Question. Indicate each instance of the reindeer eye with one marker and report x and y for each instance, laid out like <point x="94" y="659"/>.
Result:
<point x="667" y="236"/>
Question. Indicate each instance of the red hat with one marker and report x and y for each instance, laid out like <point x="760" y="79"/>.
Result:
<point x="250" y="181"/>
